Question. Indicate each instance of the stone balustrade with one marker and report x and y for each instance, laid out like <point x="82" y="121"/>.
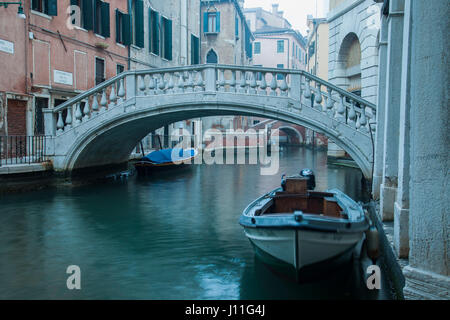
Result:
<point x="310" y="91"/>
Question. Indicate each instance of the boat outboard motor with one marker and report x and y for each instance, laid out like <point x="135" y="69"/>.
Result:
<point x="308" y="173"/>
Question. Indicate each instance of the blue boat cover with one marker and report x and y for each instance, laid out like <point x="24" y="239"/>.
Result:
<point x="169" y="155"/>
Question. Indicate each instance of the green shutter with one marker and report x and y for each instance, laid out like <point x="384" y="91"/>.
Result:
<point x="168" y="39"/>
<point x="88" y="14"/>
<point x="52" y="7"/>
<point x="205" y="22"/>
<point x="117" y="25"/>
<point x="156" y="33"/>
<point x="139" y="21"/>
<point x="237" y="27"/>
<point x="126" y="30"/>
<point x="105" y="20"/>
<point x="217" y="21"/>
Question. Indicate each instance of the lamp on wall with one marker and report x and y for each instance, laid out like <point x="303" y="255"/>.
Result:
<point x="20" y="11"/>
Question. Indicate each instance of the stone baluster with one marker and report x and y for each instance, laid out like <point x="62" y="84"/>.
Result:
<point x="60" y="123"/>
<point x="330" y="102"/>
<point x="190" y="83"/>
<point x="341" y="109"/>
<point x="352" y="114"/>
<point x="152" y="85"/>
<point x="161" y="84"/>
<point x="318" y="98"/>
<point x="112" y="95"/>
<point x="69" y="118"/>
<point x="121" y="92"/>
<point x="243" y="83"/>
<point x="253" y="84"/>
<point x="284" y="86"/>
<point x="221" y="83"/>
<point x="363" y="119"/>
<point x="263" y="84"/>
<point x="86" y="110"/>
<point x="233" y="81"/>
<point x="78" y="113"/>
<point x="141" y="84"/>
<point x="273" y="85"/>
<point x="307" y="92"/>
<point x="180" y="84"/>
<point x="171" y="83"/>
<point x="200" y="85"/>
<point x="103" y="101"/>
<point x="94" y="104"/>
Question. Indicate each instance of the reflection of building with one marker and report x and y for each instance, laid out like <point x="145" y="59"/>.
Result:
<point x="45" y="59"/>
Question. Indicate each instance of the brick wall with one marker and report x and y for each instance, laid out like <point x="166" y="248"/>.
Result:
<point x="16" y="117"/>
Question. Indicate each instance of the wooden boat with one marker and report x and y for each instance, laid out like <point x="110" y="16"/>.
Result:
<point x="300" y="231"/>
<point x="165" y="159"/>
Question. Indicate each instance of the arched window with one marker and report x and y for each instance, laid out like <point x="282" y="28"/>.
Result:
<point x="211" y="57"/>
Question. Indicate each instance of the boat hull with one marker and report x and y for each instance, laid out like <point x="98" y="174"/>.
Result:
<point x="296" y="250"/>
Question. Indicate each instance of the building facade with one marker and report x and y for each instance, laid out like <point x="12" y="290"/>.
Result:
<point x="164" y="33"/>
<point x="318" y="48"/>
<point x="60" y="49"/>
<point x="353" y="56"/>
<point x="277" y="44"/>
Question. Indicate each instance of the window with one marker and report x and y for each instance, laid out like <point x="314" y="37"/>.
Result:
<point x="41" y="103"/>
<point x="137" y="23"/>
<point x="123" y="34"/>
<point x="211" y="57"/>
<point x="101" y="18"/>
<point x="211" y="22"/>
<point x="280" y="46"/>
<point x="248" y="44"/>
<point x="257" y="47"/>
<point x="279" y="75"/>
<point x="120" y="68"/>
<point x="99" y="71"/>
<point x="195" y="50"/>
<point x="49" y="7"/>
<point x="236" y="25"/>
<point x="166" y="36"/>
<point x="154" y="31"/>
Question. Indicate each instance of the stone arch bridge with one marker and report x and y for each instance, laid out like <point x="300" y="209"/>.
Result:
<point x="104" y="124"/>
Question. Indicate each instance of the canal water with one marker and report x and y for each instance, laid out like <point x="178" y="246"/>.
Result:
<point x="172" y="235"/>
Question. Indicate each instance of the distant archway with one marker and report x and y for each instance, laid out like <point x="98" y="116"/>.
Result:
<point x="211" y="57"/>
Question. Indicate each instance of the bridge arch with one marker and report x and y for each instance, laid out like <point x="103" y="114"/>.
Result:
<point x="291" y="130"/>
<point x="108" y="128"/>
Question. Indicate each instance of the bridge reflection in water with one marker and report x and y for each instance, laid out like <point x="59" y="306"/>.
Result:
<point x="169" y="236"/>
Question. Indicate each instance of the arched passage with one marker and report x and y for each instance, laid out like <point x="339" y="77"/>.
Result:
<point x="349" y="63"/>
<point x="293" y="135"/>
<point x="112" y="140"/>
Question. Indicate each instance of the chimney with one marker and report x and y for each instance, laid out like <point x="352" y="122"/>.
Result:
<point x="280" y="13"/>
<point x="275" y="8"/>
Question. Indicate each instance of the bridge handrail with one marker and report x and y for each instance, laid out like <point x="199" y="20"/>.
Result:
<point x="123" y="75"/>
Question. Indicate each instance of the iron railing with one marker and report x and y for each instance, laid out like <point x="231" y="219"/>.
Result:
<point x="22" y="150"/>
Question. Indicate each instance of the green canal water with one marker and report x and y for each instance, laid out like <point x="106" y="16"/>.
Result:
<point x="172" y="235"/>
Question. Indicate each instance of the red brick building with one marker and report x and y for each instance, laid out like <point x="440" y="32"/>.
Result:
<point x="55" y="53"/>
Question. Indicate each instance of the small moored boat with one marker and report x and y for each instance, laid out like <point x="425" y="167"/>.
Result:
<point x="165" y="159"/>
<point x="301" y="231"/>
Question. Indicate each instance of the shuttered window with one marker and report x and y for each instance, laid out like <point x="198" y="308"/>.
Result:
<point x="154" y="31"/>
<point x="138" y="23"/>
<point x="49" y="7"/>
<point x="257" y="47"/>
<point x="195" y="50"/>
<point x="123" y="34"/>
<point x="166" y="36"/>
<point x="211" y="22"/>
<point x="101" y="18"/>
<point x="99" y="71"/>
<point x="87" y="12"/>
